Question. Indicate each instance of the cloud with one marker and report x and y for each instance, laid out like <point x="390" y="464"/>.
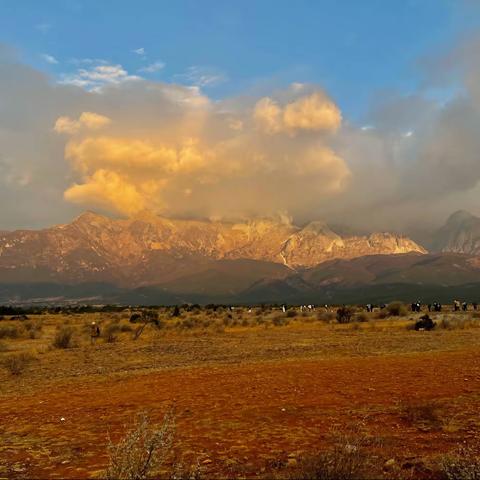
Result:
<point x="139" y="51"/>
<point x="229" y="168"/>
<point x="87" y="120"/>
<point x="121" y="144"/>
<point x="202" y="76"/>
<point x="153" y="67"/>
<point x="314" y="112"/>
<point x="49" y="58"/>
<point x="98" y="76"/>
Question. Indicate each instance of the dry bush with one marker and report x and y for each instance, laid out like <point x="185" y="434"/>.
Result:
<point x="125" y="327"/>
<point x="361" y="317"/>
<point x="427" y="415"/>
<point x="291" y="313"/>
<point x="10" y="331"/>
<point x="64" y="337"/>
<point x="280" y="320"/>
<point x="396" y="309"/>
<point x="346" y="460"/>
<point x="325" y="316"/>
<point x="344" y="314"/>
<point x="382" y="314"/>
<point x="462" y="464"/>
<point x="34" y="328"/>
<point x="142" y="450"/>
<point x="16" y="363"/>
<point x="110" y="332"/>
<point x="456" y="323"/>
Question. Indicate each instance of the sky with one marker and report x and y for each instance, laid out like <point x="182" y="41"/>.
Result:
<point x="358" y="113"/>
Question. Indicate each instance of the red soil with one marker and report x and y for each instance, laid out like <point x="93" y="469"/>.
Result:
<point x="248" y="414"/>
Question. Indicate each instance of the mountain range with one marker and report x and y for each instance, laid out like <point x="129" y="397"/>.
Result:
<point x="151" y="259"/>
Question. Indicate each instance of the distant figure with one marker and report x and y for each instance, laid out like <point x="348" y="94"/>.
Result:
<point x="437" y="307"/>
<point x="284" y="309"/>
<point x="429" y="306"/>
<point x="425" y="323"/>
<point x="474" y="305"/>
<point x="94" y="333"/>
<point x="464" y="306"/>
<point x="369" y="307"/>
<point x="456" y="305"/>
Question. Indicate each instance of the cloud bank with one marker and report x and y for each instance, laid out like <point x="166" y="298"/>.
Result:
<point x="107" y="140"/>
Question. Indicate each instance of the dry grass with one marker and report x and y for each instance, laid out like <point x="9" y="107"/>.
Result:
<point x="462" y="464"/>
<point x="221" y="341"/>
<point x="347" y="459"/>
<point x="17" y="363"/>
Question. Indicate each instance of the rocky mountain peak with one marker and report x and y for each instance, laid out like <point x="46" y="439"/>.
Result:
<point x="146" y="247"/>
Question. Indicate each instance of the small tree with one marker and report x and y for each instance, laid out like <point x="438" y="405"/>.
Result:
<point x="148" y="317"/>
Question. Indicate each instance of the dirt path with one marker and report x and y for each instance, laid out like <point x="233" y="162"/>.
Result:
<point x="247" y="414"/>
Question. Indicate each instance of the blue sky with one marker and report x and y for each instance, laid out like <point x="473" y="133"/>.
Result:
<point x="351" y="48"/>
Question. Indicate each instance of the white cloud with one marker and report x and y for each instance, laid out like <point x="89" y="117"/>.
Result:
<point x="49" y="58"/>
<point x="153" y="67"/>
<point x="202" y="76"/>
<point x="88" y="61"/>
<point x="96" y="77"/>
<point x="139" y="51"/>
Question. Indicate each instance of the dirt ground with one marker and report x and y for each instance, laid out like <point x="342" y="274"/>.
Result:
<point x="249" y="400"/>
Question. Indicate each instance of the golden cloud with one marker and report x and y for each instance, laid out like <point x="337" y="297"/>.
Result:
<point x="314" y="112"/>
<point x="203" y="160"/>
<point x="87" y="120"/>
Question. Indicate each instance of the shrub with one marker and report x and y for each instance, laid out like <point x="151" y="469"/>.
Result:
<point x="427" y="415"/>
<point x="344" y="314"/>
<point x="16" y="363"/>
<point x="9" y="331"/>
<point x="345" y="461"/>
<point x="110" y="332"/>
<point x="33" y="328"/>
<point x="142" y="450"/>
<point x="463" y="464"/>
<point x="64" y="338"/>
<point x="361" y="317"/>
<point x="279" y="320"/>
<point x="396" y="309"/>
<point x="187" y="323"/>
<point x="135" y="317"/>
<point x="125" y="327"/>
<point x="325" y="316"/>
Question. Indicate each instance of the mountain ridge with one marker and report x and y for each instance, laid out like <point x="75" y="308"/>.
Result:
<point x="148" y="249"/>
